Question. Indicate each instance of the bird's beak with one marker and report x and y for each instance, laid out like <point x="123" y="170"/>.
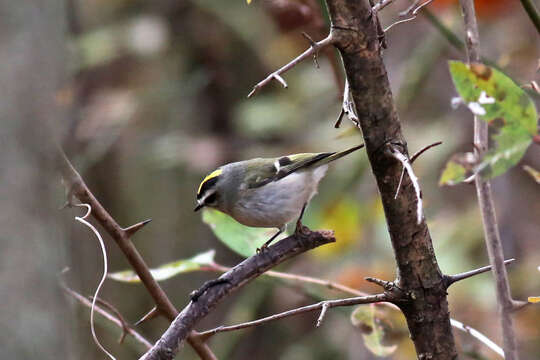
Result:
<point x="198" y="207"/>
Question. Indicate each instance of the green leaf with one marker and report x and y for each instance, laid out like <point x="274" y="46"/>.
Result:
<point x="169" y="270"/>
<point x="508" y="110"/>
<point x="365" y="318"/>
<point x="453" y="173"/>
<point x="241" y="239"/>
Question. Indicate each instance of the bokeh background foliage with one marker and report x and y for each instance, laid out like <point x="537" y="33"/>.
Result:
<point x="152" y="97"/>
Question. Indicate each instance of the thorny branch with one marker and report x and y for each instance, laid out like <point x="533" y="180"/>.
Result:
<point x="322" y="305"/>
<point x="485" y="201"/>
<point x="77" y="188"/>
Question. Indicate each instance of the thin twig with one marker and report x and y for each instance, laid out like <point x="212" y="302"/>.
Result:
<point x="411" y="7"/>
<point x="152" y="314"/>
<point x="531" y="10"/>
<point x="276" y="75"/>
<point x="297" y="278"/>
<point x="399" y="22"/>
<point x="424" y="149"/>
<point x="84" y="301"/>
<point x="478" y="335"/>
<point x="413" y="11"/>
<point x="311" y="280"/>
<point x="485" y="200"/>
<point x="241" y="274"/>
<point x="77" y="188"/>
<point x="370" y="299"/>
<point x="381" y="5"/>
<point x="116" y="313"/>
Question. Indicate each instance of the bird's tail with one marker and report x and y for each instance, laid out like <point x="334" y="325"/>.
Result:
<point x="338" y="155"/>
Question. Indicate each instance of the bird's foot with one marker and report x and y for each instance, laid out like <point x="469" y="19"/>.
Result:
<point x="300" y="228"/>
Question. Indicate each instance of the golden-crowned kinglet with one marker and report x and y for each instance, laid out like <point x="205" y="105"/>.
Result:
<point x="267" y="192"/>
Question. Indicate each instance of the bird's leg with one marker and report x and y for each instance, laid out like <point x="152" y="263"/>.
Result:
<point x="196" y="294"/>
<point x="265" y="245"/>
<point x="299" y="225"/>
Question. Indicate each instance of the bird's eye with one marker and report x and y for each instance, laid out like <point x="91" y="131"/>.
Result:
<point x="211" y="199"/>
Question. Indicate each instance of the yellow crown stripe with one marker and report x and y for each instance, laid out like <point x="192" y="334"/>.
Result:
<point x="212" y="175"/>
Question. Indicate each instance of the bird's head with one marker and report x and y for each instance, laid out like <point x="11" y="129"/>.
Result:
<point x="207" y="194"/>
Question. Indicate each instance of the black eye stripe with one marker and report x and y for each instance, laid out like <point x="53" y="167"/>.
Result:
<point x="207" y="185"/>
<point x="284" y="161"/>
<point x="211" y="198"/>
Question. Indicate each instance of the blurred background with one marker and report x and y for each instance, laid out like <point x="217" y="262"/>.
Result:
<point x="147" y="97"/>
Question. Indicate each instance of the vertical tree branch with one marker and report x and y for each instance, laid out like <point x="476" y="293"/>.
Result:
<point x="485" y="200"/>
<point x="355" y="34"/>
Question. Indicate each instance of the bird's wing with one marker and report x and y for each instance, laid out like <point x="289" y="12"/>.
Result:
<point x="279" y="168"/>
<point x="275" y="169"/>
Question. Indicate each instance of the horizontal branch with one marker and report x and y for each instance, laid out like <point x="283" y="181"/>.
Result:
<point x="323" y="306"/>
<point x="252" y="267"/>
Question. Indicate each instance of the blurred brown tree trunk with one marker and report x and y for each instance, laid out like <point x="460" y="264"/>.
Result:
<point x="34" y="320"/>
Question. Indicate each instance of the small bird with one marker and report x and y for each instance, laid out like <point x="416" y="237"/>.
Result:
<point x="266" y="192"/>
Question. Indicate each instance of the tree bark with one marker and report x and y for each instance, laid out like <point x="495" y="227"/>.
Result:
<point x="354" y="30"/>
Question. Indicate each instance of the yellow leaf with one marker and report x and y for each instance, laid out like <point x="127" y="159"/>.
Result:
<point x="534" y="299"/>
<point x="344" y="218"/>
<point x="248" y="2"/>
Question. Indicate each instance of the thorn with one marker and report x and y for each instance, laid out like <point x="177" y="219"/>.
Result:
<point x="421" y="151"/>
<point x="149" y="316"/>
<point x="386" y="285"/>
<point x="281" y="80"/>
<point x="518" y="304"/>
<point x="450" y="279"/>
<point x="136" y="227"/>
